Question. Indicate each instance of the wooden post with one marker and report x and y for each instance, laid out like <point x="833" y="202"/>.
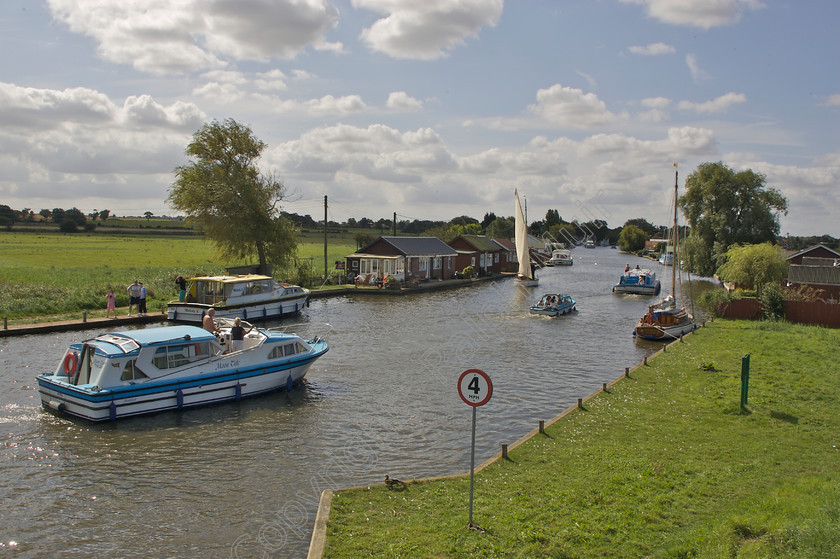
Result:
<point x="504" y="451"/>
<point x="580" y="402"/>
<point x="627" y="372"/>
<point x="5" y="323"/>
<point x="645" y="361"/>
<point x="84" y="316"/>
<point x="604" y="387"/>
<point x="542" y="426"/>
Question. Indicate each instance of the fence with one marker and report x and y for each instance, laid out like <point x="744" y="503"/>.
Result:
<point x="799" y="312"/>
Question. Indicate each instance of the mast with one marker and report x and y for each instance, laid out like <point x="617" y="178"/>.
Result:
<point x="675" y="239"/>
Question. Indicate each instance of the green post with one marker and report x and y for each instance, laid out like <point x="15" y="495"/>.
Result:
<point x="745" y="379"/>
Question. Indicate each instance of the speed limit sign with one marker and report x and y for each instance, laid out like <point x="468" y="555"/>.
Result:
<point x="474" y="387"/>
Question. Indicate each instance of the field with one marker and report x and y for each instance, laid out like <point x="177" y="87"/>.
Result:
<point x="665" y="464"/>
<point x="52" y="275"/>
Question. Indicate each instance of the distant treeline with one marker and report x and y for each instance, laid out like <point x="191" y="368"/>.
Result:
<point x="553" y="225"/>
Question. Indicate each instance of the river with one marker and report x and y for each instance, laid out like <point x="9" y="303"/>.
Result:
<point x="243" y="479"/>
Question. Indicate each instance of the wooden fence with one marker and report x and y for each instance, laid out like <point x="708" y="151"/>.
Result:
<point x="799" y="312"/>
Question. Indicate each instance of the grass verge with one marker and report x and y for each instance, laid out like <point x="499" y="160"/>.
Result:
<point x="665" y="465"/>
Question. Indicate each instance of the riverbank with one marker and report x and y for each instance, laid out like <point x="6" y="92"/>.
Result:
<point x="96" y="319"/>
<point x="663" y="463"/>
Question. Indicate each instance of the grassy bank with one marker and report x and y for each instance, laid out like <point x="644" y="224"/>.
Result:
<point x="664" y="464"/>
<point x="54" y="275"/>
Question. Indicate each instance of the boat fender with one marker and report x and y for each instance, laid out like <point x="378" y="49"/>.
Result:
<point x="57" y="406"/>
<point x="112" y="410"/>
<point x="238" y="389"/>
<point x="179" y="397"/>
<point x="289" y="384"/>
<point x="70" y="364"/>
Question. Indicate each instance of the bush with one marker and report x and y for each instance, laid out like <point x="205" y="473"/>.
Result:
<point x="711" y="301"/>
<point x="68" y="226"/>
<point x="772" y="302"/>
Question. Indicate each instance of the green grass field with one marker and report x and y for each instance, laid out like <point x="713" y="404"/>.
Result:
<point x="54" y="274"/>
<point x="663" y="465"/>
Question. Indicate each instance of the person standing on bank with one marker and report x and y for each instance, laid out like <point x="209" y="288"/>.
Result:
<point x="110" y="304"/>
<point x="142" y="306"/>
<point x="237" y="334"/>
<point x="182" y="287"/>
<point x="134" y="296"/>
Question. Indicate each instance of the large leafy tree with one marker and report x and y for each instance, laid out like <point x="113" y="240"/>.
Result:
<point x="631" y="238"/>
<point x="724" y="208"/>
<point x="223" y="191"/>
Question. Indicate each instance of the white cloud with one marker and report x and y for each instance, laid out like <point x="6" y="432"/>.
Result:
<point x="833" y="101"/>
<point x="326" y="105"/>
<point x="652" y="49"/>
<point x="164" y="36"/>
<point x="697" y="73"/>
<point x="426" y="30"/>
<point x="401" y="101"/>
<point x="567" y="106"/>
<point x="718" y="105"/>
<point x="697" y="13"/>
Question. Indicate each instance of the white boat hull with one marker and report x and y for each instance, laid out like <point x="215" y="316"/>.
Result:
<point x="637" y="289"/>
<point x="263" y="310"/>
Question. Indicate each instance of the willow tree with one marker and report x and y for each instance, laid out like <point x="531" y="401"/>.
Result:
<point x="724" y="208"/>
<point x="226" y="195"/>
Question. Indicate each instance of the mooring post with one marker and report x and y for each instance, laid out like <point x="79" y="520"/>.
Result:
<point x="504" y="451"/>
<point x="745" y="380"/>
<point x="542" y="426"/>
<point x="604" y="387"/>
<point x="580" y="402"/>
<point x="5" y="323"/>
<point x="645" y="361"/>
<point x="84" y="316"/>
<point x="627" y="370"/>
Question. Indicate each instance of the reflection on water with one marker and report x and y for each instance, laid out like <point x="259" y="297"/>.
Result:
<point x="243" y="478"/>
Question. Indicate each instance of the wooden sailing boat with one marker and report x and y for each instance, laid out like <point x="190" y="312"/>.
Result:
<point x="525" y="276"/>
<point x="665" y="321"/>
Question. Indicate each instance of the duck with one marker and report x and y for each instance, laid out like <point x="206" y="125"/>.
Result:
<point x="394" y="484"/>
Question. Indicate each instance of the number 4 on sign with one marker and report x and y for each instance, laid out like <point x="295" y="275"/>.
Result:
<point x="475" y="387"/>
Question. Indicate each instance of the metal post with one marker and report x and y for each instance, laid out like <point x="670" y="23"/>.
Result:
<point x="745" y="380"/>
<point x="472" y="465"/>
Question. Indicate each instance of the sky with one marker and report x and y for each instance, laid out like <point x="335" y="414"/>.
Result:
<point x="428" y="110"/>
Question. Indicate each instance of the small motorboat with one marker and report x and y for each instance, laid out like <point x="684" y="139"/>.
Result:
<point x="554" y="304"/>
<point x="128" y="373"/>
<point x="248" y="296"/>
<point x="561" y="257"/>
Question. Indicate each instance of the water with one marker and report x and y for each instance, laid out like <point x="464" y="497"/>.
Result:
<point x="243" y="479"/>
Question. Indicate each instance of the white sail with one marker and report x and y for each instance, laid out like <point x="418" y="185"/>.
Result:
<point x="521" y="231"/>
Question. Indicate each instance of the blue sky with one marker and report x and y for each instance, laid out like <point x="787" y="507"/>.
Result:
<point x="430" y="109"/>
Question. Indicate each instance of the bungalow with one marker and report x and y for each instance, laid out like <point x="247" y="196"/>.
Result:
<point x="817" y="267"/>
<point x="483" y="254"/>
<point x="509" y="262"/>
<point x="403" y="258"/>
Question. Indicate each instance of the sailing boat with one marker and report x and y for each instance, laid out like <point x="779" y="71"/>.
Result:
<point x="664" y="320"/>
<point x="525" y="276"/>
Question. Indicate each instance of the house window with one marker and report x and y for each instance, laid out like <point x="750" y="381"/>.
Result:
<point x="438" y="262"/>
<point x="388" y="267"/>
<point x="472" y="261"/>
<point x="424" y="264"/>
<point x="496" y="258"/>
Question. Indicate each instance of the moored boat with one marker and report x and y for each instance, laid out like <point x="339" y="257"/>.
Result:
<point x="129" y="373"/>
<point x="554" y="304"/>
<point x="666" y="320"/>
<point x="639" y="281"/>
<point x="561" y="257"/>
<point x="251" y="297"/>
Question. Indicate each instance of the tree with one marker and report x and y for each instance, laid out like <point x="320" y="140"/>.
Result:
<point x="57" y="215"/>
<point x="754" y="265"/>
<point x="724" y="208"/>
<point x="644" y="225"/>
<point x="631" y="239"/>
<point x="225" y="194"/>
<point x="500" y="228"/>
<point x="75" y="215"/>
<point x="104" y="214"/>
<point x="148" y="215"/>
<point x="552" y="217"/>
<point x="7" y="217"/>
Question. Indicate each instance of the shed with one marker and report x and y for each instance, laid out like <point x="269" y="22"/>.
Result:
<point x="403" y="258"/>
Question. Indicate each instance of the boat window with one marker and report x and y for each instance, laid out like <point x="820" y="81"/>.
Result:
<point x="132" y="372"/>
<point x="178" y="355"/>
<point x="286" y="350"/>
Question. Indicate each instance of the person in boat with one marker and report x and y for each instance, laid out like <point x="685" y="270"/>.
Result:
<point x="208" y="323"/>
<point x="627" y="267"/>
<point x="237" y="334"/>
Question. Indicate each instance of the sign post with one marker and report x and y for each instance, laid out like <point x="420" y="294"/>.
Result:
<point x="475" y="389"/>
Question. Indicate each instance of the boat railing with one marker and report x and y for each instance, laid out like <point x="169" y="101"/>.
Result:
<point x="306" y="330"/>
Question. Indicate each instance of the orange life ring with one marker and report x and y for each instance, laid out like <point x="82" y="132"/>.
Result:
<point x="70" y="364"/>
